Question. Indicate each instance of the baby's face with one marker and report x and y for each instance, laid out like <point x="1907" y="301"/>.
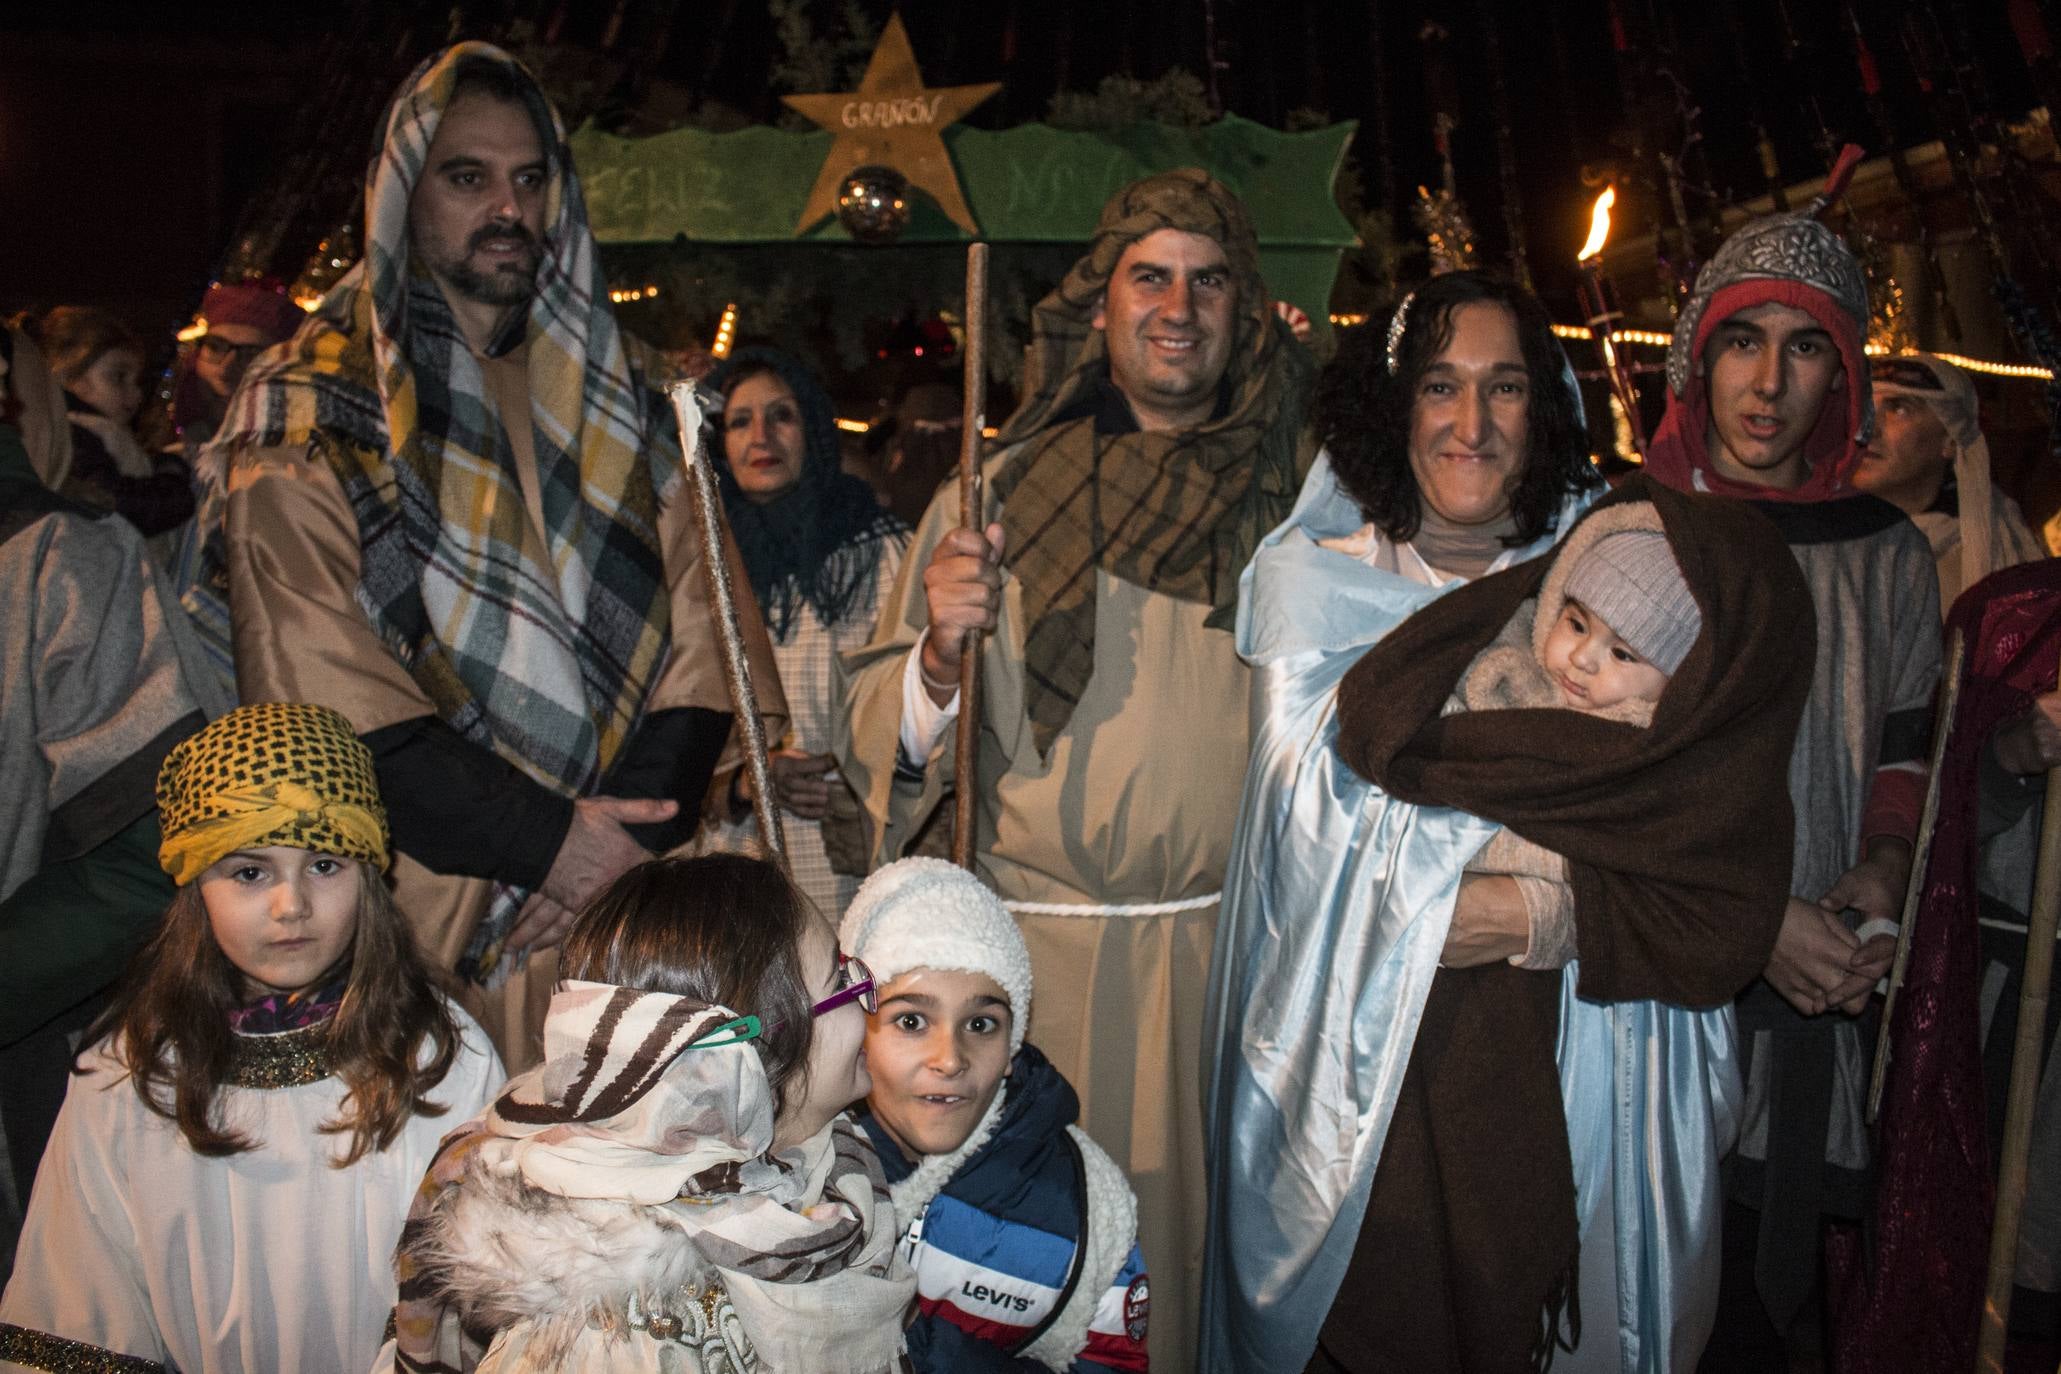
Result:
<point x="1592" y="668"/>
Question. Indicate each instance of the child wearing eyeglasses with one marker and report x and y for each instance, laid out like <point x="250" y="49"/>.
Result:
<point x="676" y="1186"/>
<point x="1022" y="1231"/>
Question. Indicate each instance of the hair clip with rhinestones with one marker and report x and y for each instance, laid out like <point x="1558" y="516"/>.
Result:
<point x="1396" y="325"/>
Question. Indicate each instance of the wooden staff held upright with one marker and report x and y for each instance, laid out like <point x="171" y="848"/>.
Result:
<point x="1914" y="889"/>
<point x="2045" y="917"/>
<point x="687" y="400"/>
<point x="973" y="419"/>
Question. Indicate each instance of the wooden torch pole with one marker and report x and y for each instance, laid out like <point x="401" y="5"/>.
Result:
<point x="973" y="418"/>
<point x="2025" y="1077"/>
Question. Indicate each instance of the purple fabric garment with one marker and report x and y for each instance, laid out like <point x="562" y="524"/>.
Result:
<point x="1913" y="1300"/>
<point x="287" y="1011"/>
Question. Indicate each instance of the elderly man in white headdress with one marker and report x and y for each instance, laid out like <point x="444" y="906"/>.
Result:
<point x="1929" y="459"/>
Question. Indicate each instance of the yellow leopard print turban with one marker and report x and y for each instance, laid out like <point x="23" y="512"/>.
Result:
<point x="278" y="773"/>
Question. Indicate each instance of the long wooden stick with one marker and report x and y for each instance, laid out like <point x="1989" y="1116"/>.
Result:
<point x="744" y="698"/>
<point x="973" y="415"/>
<point x="1921" y="854"/>
<point x="2025" y="1077"/>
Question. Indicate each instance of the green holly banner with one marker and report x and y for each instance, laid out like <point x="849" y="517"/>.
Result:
<point x="1029" y="185"/>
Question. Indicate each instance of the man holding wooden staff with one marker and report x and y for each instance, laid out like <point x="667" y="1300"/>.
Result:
<point x="1160" y="436"/>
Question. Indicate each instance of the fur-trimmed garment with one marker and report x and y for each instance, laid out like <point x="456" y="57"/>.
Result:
<point x="621" y="1207"/>
<point x="1678" y="897"/>
<point x="1023" y="1241"/>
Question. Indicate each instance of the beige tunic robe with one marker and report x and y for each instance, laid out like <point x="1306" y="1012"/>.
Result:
<point x="811" y="674"/>
<point x="1134" y="805"/>
<point x="301" y="635"/>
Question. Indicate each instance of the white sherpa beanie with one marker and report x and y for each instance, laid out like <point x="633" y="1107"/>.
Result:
<point x="926" y="913"/>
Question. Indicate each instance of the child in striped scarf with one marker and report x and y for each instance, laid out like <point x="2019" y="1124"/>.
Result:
<point x="675" y="1187"/>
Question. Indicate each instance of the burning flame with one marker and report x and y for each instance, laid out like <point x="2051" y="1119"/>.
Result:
<point x="1599" y="225"/>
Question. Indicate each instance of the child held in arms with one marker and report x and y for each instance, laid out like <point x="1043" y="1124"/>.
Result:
<point x="1624" y="709"/>
<point x="251" y="1115"/>
<point x="1613" y="621"/>
<point x="1020" y="1228"/>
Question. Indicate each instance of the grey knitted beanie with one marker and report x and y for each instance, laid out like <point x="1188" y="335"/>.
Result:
<point x="1630" y="580"/>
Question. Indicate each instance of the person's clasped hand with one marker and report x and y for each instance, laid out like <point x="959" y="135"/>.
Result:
<point x="801" y="782"/>
<point x="2032" y="743"/>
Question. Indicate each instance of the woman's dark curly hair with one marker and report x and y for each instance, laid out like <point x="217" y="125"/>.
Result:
<point x="1363" y="414"/>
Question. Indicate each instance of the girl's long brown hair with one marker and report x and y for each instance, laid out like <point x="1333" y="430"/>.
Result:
<point x="723" y="929"/>
<point x="169" y="1026"/>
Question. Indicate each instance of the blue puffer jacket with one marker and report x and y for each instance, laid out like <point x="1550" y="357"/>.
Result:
<point x="1003" y="1278"/>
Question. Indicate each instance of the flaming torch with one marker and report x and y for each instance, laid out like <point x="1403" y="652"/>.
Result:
<point x="1599" y="304"/>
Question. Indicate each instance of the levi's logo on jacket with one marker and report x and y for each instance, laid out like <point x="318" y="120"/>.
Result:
<point x="1008" y="1302"/>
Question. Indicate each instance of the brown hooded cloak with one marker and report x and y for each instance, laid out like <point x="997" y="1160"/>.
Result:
<point x="1677" y="843"/>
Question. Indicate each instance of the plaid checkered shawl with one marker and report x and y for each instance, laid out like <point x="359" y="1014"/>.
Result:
<point x="1178" y="513"/>
<point x="548" y="664"/>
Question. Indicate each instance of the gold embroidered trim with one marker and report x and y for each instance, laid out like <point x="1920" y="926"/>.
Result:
<point x="289" y="1059"/>
<point x="41" y="1350"/>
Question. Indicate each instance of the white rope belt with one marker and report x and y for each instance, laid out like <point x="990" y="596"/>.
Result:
<point x="1121" y="909"/>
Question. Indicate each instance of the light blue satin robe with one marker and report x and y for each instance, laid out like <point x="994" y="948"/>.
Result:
<point x="1336" y="906"/>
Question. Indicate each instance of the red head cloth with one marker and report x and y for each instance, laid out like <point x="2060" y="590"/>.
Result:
<point x="1791" y="260"/>
<point x="261" y="307"/>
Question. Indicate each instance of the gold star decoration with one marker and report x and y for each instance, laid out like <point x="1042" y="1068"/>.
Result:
<point x="893" y="120"/>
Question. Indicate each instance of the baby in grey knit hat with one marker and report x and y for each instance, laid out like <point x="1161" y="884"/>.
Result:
<point x="1613" y="621"/>
<point x="1625" y="624"/>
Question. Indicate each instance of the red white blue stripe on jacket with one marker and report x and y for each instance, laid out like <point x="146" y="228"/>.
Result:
<point x="998" y="1280"/>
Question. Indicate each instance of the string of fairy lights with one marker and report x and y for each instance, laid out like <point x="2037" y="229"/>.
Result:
<point x="1655" y="338"/>
<point x="726" y="336"/>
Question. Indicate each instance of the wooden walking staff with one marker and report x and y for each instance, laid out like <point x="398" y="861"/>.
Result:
<point x="688" y="402"/>
<point x="1921" y="853"/>
<point x="2025" y="1078"/>
<point x="972" y="419"/>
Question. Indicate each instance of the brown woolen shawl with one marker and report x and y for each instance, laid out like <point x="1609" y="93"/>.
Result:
<point x="1176" y="513"/>
<point x="1678" y="840"/>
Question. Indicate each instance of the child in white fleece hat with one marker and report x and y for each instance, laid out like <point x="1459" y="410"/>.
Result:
<point x="976" y="1133"/>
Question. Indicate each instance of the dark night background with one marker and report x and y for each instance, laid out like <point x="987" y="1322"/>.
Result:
<point x="134" y="136"/>
<point x="146" y="147"/>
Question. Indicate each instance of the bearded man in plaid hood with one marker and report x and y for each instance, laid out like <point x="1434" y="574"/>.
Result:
<point x="1160" y="436"/>
<point x="449" y="507"/>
